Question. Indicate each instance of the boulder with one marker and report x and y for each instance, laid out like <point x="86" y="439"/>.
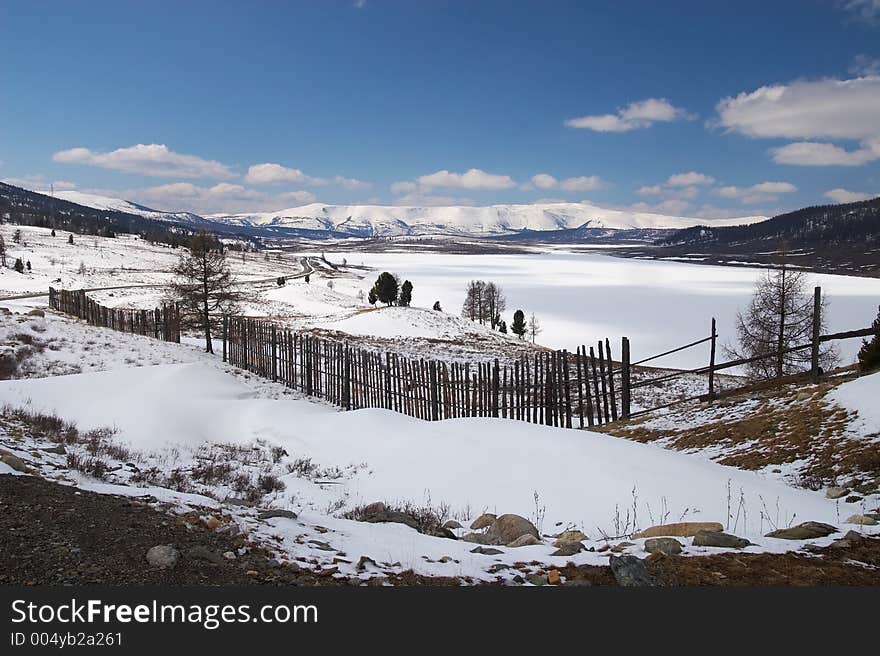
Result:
<point x="452" y="524"/>
<point x="163" y="555"/>
<point x="477" y="538"/>
<point x="390" y="517"/>
<point x="553" y="577"/>
<point x="486" y="551"/>
<point x="680" y="529"/>
<point x="805" y="531"/>
<point x="483" y="521"/>
<point x="630" y="572"/>
<point x="836" y="492"/>
<point x="666" y="546"/>
<point x="861" y="520"/>
<point x="272" y="514"/>
<point x="536" y="579"/>
<point x="853" y="498"/>
<point x="524" y="541"/>
<point x="14" y="461"/>
<point x="36" y="313"/>
<point x="719" y="539"/>
<point x="568" y="548"/>
<point x="508" y="528"/>
<point x="569" y="536"/>
<point x="204" y="553"/>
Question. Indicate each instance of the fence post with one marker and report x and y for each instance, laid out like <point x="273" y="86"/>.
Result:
<point x="817" y="324"/>
<point x="274" y="353"/>
<point x="225" y="333"/>
<point x="712" y="361"/>
<point x="625" y="401"/>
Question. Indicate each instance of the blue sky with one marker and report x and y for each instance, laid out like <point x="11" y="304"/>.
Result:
<point x="690" y="108"/>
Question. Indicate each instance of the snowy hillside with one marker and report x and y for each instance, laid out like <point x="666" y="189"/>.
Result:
<point x="118" y="205"/>
<point x="383" y="220"/>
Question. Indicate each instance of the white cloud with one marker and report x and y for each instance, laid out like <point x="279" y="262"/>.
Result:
<point x="864" y="65"/>
<point x="639" y="114"/>
<point x="830" y="109"/>
<point x="147" y="159"/>
<point x="867" y="11"/>
<point x="403" y="187"/>
<point x="814" y="153"/>
<point x="270" y="173"/>
<point x="471" y="179"/>
<point x="427" y="200"/>
<point x="845" y="196"/>
<point x="762" y="192"/>
<point x="652" y="190"/>
<point x="576" y="184"/>
<point x="689" y="179"/>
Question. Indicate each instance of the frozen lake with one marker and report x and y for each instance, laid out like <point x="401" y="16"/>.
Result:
<point x="580" y="298"/>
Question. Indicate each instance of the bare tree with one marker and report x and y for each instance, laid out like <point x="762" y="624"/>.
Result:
<point x="203" y="285"/>
<point x="472" y="307"/>
<point x="534" y="327"/>
<point x="494" y="304"/>
<point x="778" y="318"/>
<point x="484" y="302"/>
<point x="2" y="251"/>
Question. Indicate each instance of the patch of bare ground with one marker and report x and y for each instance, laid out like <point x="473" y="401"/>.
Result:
<point x="769" y="428"/>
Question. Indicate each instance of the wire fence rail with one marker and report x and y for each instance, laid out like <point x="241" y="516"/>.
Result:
<point x="160" y="323"/>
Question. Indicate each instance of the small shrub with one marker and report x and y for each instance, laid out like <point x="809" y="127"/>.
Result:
<point x="270" y="483"/>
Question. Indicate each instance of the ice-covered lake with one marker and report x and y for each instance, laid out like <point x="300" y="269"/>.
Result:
<point x="580" y="298"/>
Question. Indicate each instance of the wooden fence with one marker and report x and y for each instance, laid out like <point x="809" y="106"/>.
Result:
<point x="162" y="322"/>
<point x="555" y="388"/>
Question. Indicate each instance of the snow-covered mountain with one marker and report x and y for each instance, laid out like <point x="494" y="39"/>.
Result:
<point x="385" y="220"/>
<point x="119" y="205"/>
<point x="389" y="220"/>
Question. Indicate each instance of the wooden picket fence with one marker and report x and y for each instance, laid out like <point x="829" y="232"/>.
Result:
<point x="161" y="323"/>
<point x="555" y="388"/>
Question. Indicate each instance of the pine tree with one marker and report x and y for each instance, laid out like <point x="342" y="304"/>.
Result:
<point x="70" y="238"/>
<point x="502" y="327"/>
<point x="386" y="288"/>
<point x="437" y="306"/>
<point x="779" y="317"/>
<point x="28" y="265"/>
<point x="53" y="232"/>
<point x="405" y="294"/>
<point x="203" y="285"/>
<point x="2" y="252"/>
<point x="869" y="354"/>
<point x="518" y="327"/>
<point x="19" y="265"/>
<point x="372" y="297"/>
<point x="16" y="236"/>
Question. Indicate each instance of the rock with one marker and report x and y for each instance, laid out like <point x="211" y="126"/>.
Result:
<point x="553" y="577"/>
<point x="203" y="553"/>
<point x="536" y="579"/>
<point x="229" y="555"/>
<point x="236" y="501"/>
<point x="58" y="450"/>
<point x="212" y="523"/>
<point x="853" y="498"/>
<point x="452" y="524"/>
<point x="577" y="583"/>
<point x="569" y="536"/>
<point x="631" y="572"/>
<point x="442" y="532"/>
<point x="163" y="555"/>
<point x="836" y="492"/>
<point x="362" y="563"/>
<point x="486" y="551"/>
<point x="483" y="521"/>
<point x="524" y="541"/>
<point x="508" y="528"/>
<point x="866" y="488"/>
<point x="666" y="546"/>
<point x="373" y="508"/>
<point x="853" y="536"/>
<point x="568" y="548"/>
<point x="477" y="538"/>
<point x="36" y="313"/>
<point x="803" y="396"/>
<point x="14" y="461"/>
<point x="617" y="548"/>
<point x="272" y="514"/>
<point x="719" y="539"/>
<point x="805" y="531"/>
<point x="861" y="520"/>
<point x="680" y="529"/>
<point x="390" y="517"/>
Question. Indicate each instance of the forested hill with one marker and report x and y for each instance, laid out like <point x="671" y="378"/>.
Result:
<point x="827" y="238"/>
<point x="826" y="225"/>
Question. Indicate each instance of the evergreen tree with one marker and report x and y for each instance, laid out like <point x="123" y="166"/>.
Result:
<point x="70" y="238"/>
<point x="502" y="327"/>
<point x="869" y="354"/>
<point x="16" y="236"/>
<point x="405" y="294"/>
<point x="518" y="327"/>
<point x="28" y="265"/>
<point x="53" y="232"/>
<point x="386" y="288"/>
<point x="437" y="306"/>
<point x="19" y="265"/>
<point x="203" y="285"/>
<point x="372" y="297"/>
<point x="2" y="252"/>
